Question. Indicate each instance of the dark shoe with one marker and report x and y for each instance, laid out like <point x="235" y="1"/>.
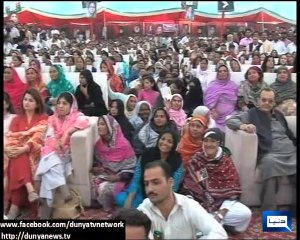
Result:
<point x="231" y="230"/>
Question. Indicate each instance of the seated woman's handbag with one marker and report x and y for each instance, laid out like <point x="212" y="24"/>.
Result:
<point x="67" y="210"/>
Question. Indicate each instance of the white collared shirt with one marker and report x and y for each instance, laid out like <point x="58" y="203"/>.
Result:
<point x="291" y="47"/>
<point x="186" y="220"/>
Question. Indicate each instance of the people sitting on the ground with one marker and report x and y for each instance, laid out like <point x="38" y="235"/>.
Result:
<point x="286" y="92"/>
<point x="165" y="150"/>
<point x="114" y="163"/>
<point x="22" y="153"/>
<point x="89" y="95"/>
<point x="276" y="145"/>
<point x="212" y="180"/>
<point x="137" y="224"/>
<point x="174" y="216"/>
<point x="55" y="166"/>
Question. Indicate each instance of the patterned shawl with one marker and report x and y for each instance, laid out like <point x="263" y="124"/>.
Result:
<point x="188" y="145"/>
<point x="34" y="137"/>
<point x="222" y="182"/>
<point x="61" y="84"/>
<point x="284" y="90"/>
<point x="248" y="92"/>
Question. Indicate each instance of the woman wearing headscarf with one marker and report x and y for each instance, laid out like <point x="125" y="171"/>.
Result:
<point x="35" y="63"/>
<point x="174" y="108"/>
<point x="117" y="111"/>
<point x="14" y="86"/>
<point x="114" y="162"/>
<point x="205" y="112"/>
<point x="55" y="165"/>
<point x="191" y="141"/>
<point x="249" y="89"/>
<point x="212" y="180"/>
<point x="89" y="95"/>
<point x="58" y="83"/>
<point x="194" y="96"/>
<point x="235" y="65"/>
<point x="165" y="150"/>
<point x="221" y="96"/>
<point x="22" y="147"/>
<point x="115" y="81"/>
<point x="286" y="92"/>
<point x="141" y="115"/>
<point x="159" y="122"/>
<point x="34" y="80"/>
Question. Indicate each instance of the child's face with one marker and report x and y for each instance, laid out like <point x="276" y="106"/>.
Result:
<point x="147" y="84"/>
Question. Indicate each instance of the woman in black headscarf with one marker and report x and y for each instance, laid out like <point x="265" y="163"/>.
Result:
<point x="194" y="96"/>
<point x="116" y="109"/>
<point x="89" y="95"/>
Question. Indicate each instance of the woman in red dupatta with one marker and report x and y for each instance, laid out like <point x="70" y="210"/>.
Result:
<point x="115" y="81"/>
<point x="14" y="86"/>
<point x="23" y="143"/>
<point x="212" y="180"/>
<point x="34" y="80"/>
<point x="114" y="162"/>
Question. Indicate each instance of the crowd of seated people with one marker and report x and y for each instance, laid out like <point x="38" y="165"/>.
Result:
<point x="161" y="133"/>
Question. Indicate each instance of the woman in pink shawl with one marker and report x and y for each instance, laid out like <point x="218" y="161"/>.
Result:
<point x="14" y="86"/>
<point x="221" y="96"/>
<point x="114" y="162"/>
<point x="174" y="108"/>
<point x="55" y="166"/>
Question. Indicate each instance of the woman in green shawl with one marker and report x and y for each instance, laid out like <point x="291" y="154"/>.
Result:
<point x="286" y="92"/>
<point x="58" y="83"/>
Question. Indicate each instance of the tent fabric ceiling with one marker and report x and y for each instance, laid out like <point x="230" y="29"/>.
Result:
<point x="28" y="15"/>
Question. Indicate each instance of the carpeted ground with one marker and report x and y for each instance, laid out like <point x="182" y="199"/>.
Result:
<point x="253" y="232"/>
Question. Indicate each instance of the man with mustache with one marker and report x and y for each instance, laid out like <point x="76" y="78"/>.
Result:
<point x="174" y="216"/>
